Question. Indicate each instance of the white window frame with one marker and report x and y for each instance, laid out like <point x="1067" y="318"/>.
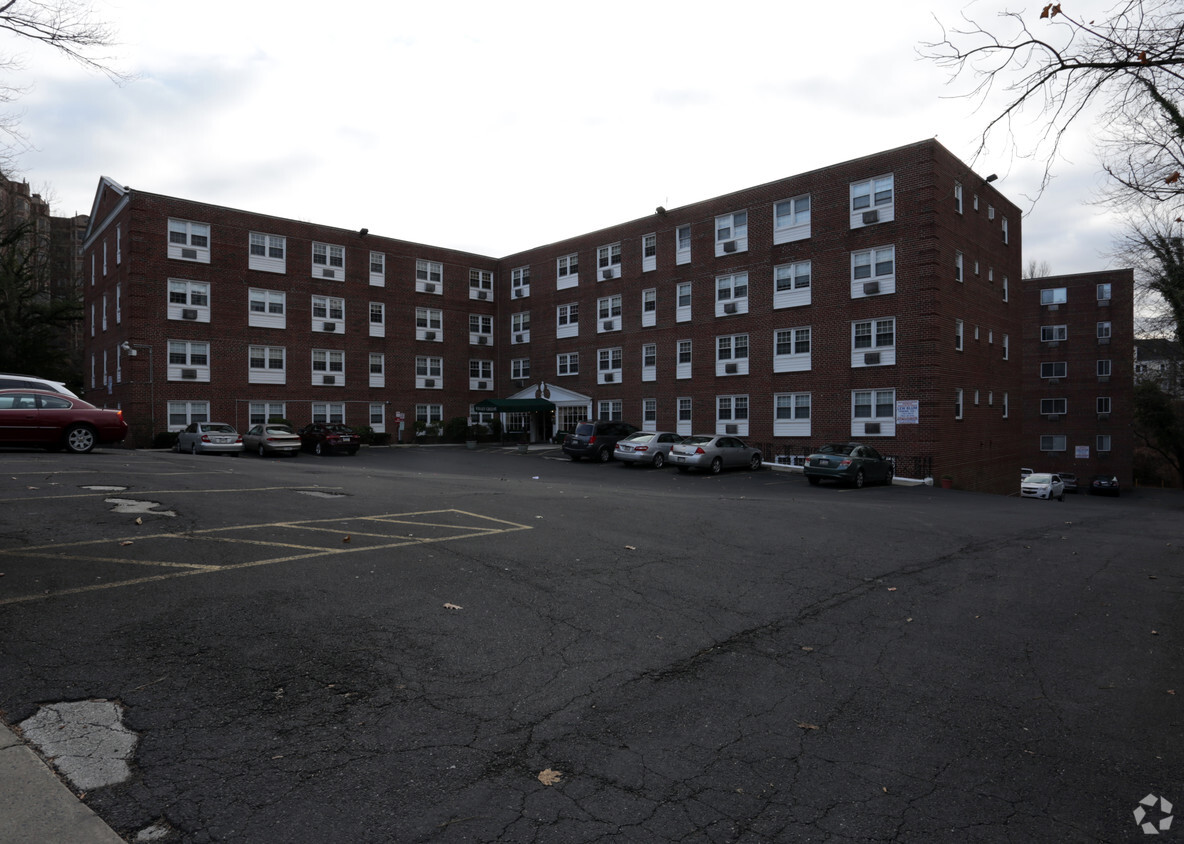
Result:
<point x="188" y="240"/>
<point x="873" y="272"/>
<point x="1105" y="329"/>
<point x="959" y="266"/>
<point x="480" y="330"/>
<point x="267" y="308"/>
<point x="1104" y="291"/>
<point x="683" y="294"/>
<point x="649" y="414"/>
<point x="377" y="270"/>
<point x="267" y="253"/>
<point x="480" y="284"/>
<point x="329" y="412"/>
<point x="274" y="360"/>
<point x="731" y="294"/>
<point x="429" y="277"/>
<point x="1054" y="443"/>
<point x="731" y="411"/>
<point x="791" y="219"/>
<point x="683" y="359"/>
<point x="1103" y="406"/>
<point x="881" y="412"/>
<point x="958" y="197"/>
<point x="610" y="409"/>
<point x="520" y="327"/>
<point x="649" y="307"/>
<point x="608" y="262"/>
<point x="377" y="417"/>
<point x="567" y="271"/>
<point x="567" y="320"/>
<point x="649" y="362"/>
<point x="1104" y="368"/>
<point x="328" y="261"/>
<point x="377" y="319"/>
<point x="188" y="301"/>
<point x="376" y="366"/>
<point x="609" y="365"/>
<point x="480" y="374"/>
<point x="429" y="414"/>
<point x="519" y="369"/>
<point x="567" y="363"/>
<point x="429" y="372"/>
<point x="682" y="244"/>
<point x="1054" y="406"/>
<point x="873" y="201"/>
<point x="958" y="406"/>
<point x="328" y="368"/>
<point x="684" y="418"/>
<point x="1103" y="443"/>
<point x="191" y="411"/>
<point x="261" y="412"/>
<point x="429" y="325"/>
<point x="196" y="359"/>
<point x="794" y="339"/>
<point x="1054" y="296"/>
<point x="1054" y="369"/>
<point x="792" y="284"/>
<point x="959" y="335"/>
<point x="649" y="253"/>
<point x="791" y="414"/>
<point x="331" y="316"/>
<point x="731" y="229"/>
<point x="731" y="355"/>
<point x="608" y="313"/>
<point x="520" y="282"/>
<point x="863" y="353"/>
<point x="1054" y="333"/>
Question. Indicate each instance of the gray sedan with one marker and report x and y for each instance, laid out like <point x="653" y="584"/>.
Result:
<point x="272" y="439"/>
<point x="210" y="438"/>
<point x="650" y="448"/>
<point x="712" y="453"/>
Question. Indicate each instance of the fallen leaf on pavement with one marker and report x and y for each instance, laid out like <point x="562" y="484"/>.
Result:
<point x="139" y="520"/>
<point x="346" y="539"/>
<point x="453" y="607"/>
<point x="126" y="542"/>
<point x="891" y="588"/>
<point x="549" y="777"/>
<point x="806" y="726"/>
<point x="630" y="547"/>
<point x="807" y="648"/>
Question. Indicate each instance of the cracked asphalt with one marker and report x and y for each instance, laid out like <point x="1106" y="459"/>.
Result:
<point x="739" y="658"/>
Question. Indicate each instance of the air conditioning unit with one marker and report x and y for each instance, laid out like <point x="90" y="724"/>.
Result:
<point x="329" y="380"/>
<point x="189" y="313"/>
<point x="429" y="335"/>
<point x="1103" y="341"/>
<point x="1054" y="307"/>
<point x="482" y="294"/>
<point x="429" y="382"/>
<point x="729" y="246"/>
<point x="330" y="326"/>
<point x="610" y="376"/>
<point x="729" y="307"/>
<point x="482" y="340"/>
<point x="520" y="383"/>
<point x="1052" y="344"/>
<point x="871" y="427"/>
<point x="519" y="293"/>
<point x="871" y="288"/>
<point x="328" y="273"/>
<point x="871" y="358"/>
<point x="191" y="254"/>
<point x="1103" y="303"/>
<point x="607" y="325"/>
<point x="429" y="287"/>
<point x="1105" y="379"/>
<point x="731" y="429"/>
<point x="1054" y="380"/>
<point x="482" y="385"/>
<point x="870" y="217"/>
<point x="1052" y="417"/>
<point x="517" y="338"/>
<point x="189" y="374"/>
<point x="1103" y="415"/>
<point x="731" y="368"/>
<point x="607" y="274"/>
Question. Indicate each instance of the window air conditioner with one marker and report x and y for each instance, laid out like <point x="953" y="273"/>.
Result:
<point x="482" y="340"/>
<point x="871" y="427"/>
<point x="519" y="293"/>
<point x="1103" y="341"/>
<point x="610" y="376"/>
<point x="189" y="313"/>
<point x="482" y="294"/>
<point x="189" y="374"/>
<point x="482" y="385"/>
<point x="731" y="429"/>
<point x="1103" y="302"/>
<point x="429" y="287"/>
<point x="729" y="246"/>
<point x="1104" y="378"/>
<point x="328" y="273"/>
<point x="731" y="368"/>
<point x="191" y="254"/>
<point x="330" y="326"/>
<point x="607" y="274"/>
<point x="1054" y="307"/>
<point x="517" y="338"/>
<point x="870" y="217"/>
<point x="1103" y="415"/>
<point x="328" y="380"/>
<point x="607" y="325"/>
<point x="1052" y="417"/>
<point x="429" y="382"/>
<point x="871" y="358"/>
<point x="1052" y="344"/>
<point x="730" y="308"/>
<point x="871" y="288"/>
<point x="429" y="335"/>
<point x="1054" y="380"/>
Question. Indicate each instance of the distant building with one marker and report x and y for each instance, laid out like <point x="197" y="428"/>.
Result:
<point x="879" y="299"/>
<point x="1161" y="361"/>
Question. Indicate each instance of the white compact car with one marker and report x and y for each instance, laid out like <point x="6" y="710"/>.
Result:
<point x="1043" y="485"/>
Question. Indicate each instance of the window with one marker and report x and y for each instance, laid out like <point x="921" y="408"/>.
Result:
<point x="649" y="308"/>
<point x="791" y="219"/>
<point x="480" y="375"/>
<point x="328" y="261"/>
<point x="1006" y="346"/>
<point x="608" y="262"/>
<point x="331" y="412"/>
<point x="682" y="307"/>
<point x="958" y="332"/>
<point x="791" y="415"/>
<point x="260" y="412"/>
<point x="791" y="349"/>
<point x="1050" y="442"/>
<point x="731" y="415"/>
<point x="118" y="302"/>
<point x="1103" y="332"/>
<point x="731" y="294"/>
<point x="567" y="320"/>
<point x="1103" y="405"/>
<point x="328" y="314"/>
<point x="103" y="311"/>
<point x="429" y="277"/>
<point x="567" y="364"/>
<point x="267" y="252"/>
<point x="520" y="369"/>
<point x="608" y="366"/>
<point x="791" y="285"/>
<point x="649" y="254"/>
<point x="958" y="266"/>
<point x="957" y="402"/>
<point x="520" y="282"/>
<point x="480" y="284"/>
<point x="1053" y="333"/>
<point x="1053" y="296"/>
<point x="429" y="414"/>
<point x="649" y="412"/>
<point x="429" y="373"/>
<point x="731" y="233"/>
<point x="328" y="368"/>
<point x="184" y="413"/>
<point x="189" y="241"/>
<point x="731" y="355"/>
<point x="608" y="314"/>
<point x="266" y="308"/>
<point x="266" y="365"/>
<point x="1054" y="369"/>
<point x="1104" y="294"/>
<point x="683" y="360"/>
<point x="567" y="271"/>
<point x="1004" y="288"/>
<point x="377" y="417"/>
<point x="873" y="272"/>
<point x="377" y="269"/>
<point x="189" y="300"/>
<point x="428" y="324"/>
<point x="871" y="201"/>
<point x="377" y="319"/>
<point x="873" y="413"/>
<point x="1103" y="443"/>
<point x="118" y="244"/>
<point x="377" y="369"/>
<point x="1005" y="236"/>
<point x="1103" y="369"/>
<point x="188" y="361"/>
<point x="682" y="254"/>
<point x="649" y="362"/>
<point x="611" y="409"/>
<point x="1053" y="407"/>
<point x="873" y="342"/>
<point x="958" y="197"/>
<point x="480" y="329"/>
<point x="520" y="327"/>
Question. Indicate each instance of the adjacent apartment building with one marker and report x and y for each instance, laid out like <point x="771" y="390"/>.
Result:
<point x="879" y="299"/>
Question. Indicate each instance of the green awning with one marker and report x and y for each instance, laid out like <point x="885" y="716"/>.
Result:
<point x="512" y="405"/>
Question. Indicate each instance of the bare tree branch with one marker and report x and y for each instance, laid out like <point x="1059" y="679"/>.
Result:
<point x="68" y="26"/>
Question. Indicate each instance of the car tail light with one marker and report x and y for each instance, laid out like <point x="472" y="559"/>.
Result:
<point x="641" y="448"/>
<point x="700" y="450"/>
<point x="844" y="463"/>
<point x="205" y="438"/>
<point x="591" y="439"/>
<point x="239" y="438"/>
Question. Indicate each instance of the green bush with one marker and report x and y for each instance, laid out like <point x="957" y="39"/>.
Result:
<point x="165" y="439"/>
<point x="455" y="429"/>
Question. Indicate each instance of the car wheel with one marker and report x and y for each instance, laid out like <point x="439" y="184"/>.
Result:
<point x="858" y="482"/>
<point x="1061" y="497"/>
<point x="262" y="451"/>
<point x="80" y="439"/>
<point x="604" y="455"/>
<point x="716" y="466"/>
<point x="318" y="450"/>
<point x="814" y="480"/>
<point x="659" y="460"/>
<point x="754" y="463"/>
<point x="889" y="475"/>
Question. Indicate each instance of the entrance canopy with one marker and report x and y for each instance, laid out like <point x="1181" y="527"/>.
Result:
<point x="512" y="405"/>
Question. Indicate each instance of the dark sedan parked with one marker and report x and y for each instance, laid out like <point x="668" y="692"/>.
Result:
<point x="328" y="437"/>
<point x="851" y="463"/>
<point x="56" y="421"/>
<point x="1104" y="485"/>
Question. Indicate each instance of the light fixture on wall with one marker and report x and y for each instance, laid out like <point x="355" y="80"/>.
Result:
<point x="990" y="179"/>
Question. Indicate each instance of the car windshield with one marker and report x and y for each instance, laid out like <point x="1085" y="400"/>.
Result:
<point x="278" y="429"/>
<point x="697" y="440"/>
<point x="836" y="448"/>
<point x="639" y="437"/>
<point x="340" y="429"/>
<point x="585" y="429"/>
<point x="215" y="428"/>
<point x="1040" y="478"/>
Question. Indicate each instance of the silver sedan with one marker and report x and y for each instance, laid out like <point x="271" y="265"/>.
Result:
<point x="210" y="438"/>
<point x="649" y="448"/>
<point x="272" y="439"/>
<point x="712" y="453"/>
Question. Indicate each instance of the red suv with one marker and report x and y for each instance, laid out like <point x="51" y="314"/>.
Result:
<point x="596" y="439"/>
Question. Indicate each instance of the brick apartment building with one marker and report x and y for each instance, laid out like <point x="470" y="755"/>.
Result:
<point x="878" y="299"/>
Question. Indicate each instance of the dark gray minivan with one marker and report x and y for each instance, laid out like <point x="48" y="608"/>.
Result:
<point x="596" y="439"/>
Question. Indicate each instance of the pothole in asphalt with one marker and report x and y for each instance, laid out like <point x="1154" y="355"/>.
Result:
<point x="130" y="505"/>
<point x="318" y="494"/>
<point x="86" y="741"/>
<point x="104" y="488"/>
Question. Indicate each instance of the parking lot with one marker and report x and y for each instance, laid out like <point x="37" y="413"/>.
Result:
<point x="436" y="644"/>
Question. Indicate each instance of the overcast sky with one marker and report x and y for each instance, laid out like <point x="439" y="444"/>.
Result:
<point x="495" y="127"/>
